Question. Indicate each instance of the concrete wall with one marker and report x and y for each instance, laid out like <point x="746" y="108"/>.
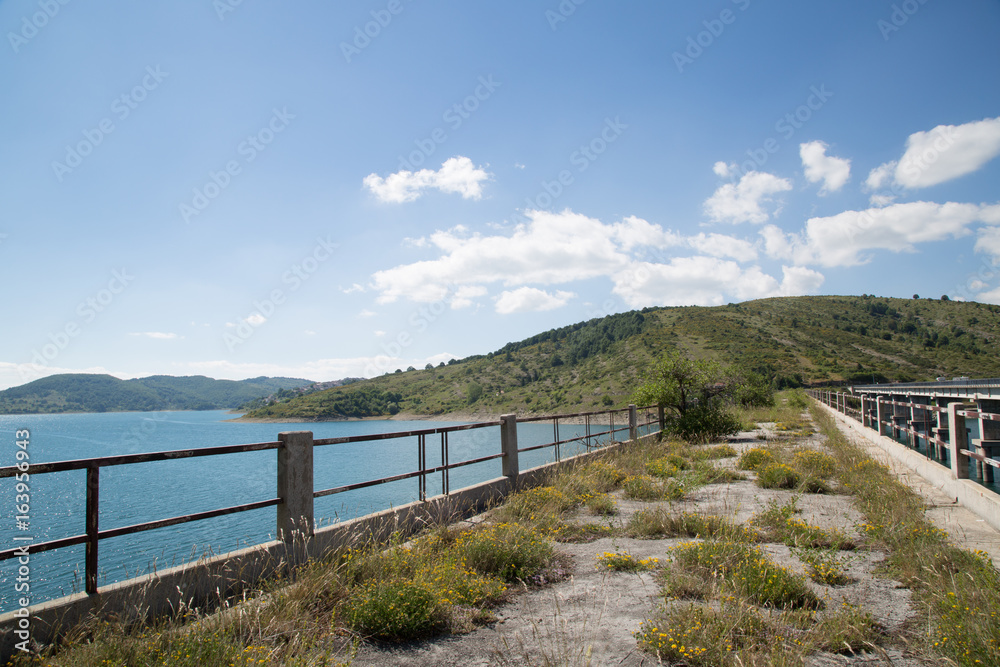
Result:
<point x="208" y="582"/>
<point x="980" y="500"/>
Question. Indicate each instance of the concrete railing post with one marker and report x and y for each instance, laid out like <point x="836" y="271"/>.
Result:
<point x="295" y="485"/>
<point x="879" y="414"/>
<point x="864" y="410"/>
<point x="508" y="445"/>
<point x="661" y="414"/>
<point x="958" y="440"/>
<point x="633" y="423"/>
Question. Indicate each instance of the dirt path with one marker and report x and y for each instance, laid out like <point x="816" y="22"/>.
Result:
<point x="590" y="618"/>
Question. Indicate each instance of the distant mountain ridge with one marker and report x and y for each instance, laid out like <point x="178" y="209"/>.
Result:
<point x="88" y="392"/>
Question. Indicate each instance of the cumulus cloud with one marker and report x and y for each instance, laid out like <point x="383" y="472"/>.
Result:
<point x="744" y="201"/>
<point x="530" y="299"/>
<point x="552" y="248"/>
<point x="941" y="154"/>
<point x="560" y="248"/>
<point x="706" y="281"/>
<point x="818" y="166"/>
<point x="457" y="175"/>
<point x="465" y="296"/>
<point x="843" y="239"/>
<point x="720" y="245"/>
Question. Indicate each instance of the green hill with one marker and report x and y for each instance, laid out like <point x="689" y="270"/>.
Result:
<point x="595" y="364"/>
<point x="82" y="392"/>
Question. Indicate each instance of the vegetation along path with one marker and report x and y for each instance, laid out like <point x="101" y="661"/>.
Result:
<point x="787" y="545"/>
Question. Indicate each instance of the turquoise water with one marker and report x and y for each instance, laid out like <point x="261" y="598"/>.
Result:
<point x="136" y="493"/>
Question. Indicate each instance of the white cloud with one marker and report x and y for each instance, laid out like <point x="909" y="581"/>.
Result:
<point x="530" y="299"/>
<point x="551" y="248"/>
<point x="367" y="313"/>
<point x="457" y="175"/>
<point x="706" y="281"/>
<point x="743" y="201"/>
<point x="818" y="166"/>
<point x="880" y="176"/>
<point x="722" y="169"/>
<point x="159" y="335"/>
<point x="352" y="289"/>
<point x="720" y="245"/>
<point x="941" y="154"/>
<point x="842" y="239"/>
<point x="465" y="295"/>
<point x="989" y="241"/>
<point x="256" y="319"/>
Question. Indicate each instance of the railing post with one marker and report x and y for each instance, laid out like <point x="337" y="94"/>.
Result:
<point x="508" y="445"/>
<point x="879" y="414"/>
<point x="661" y="414"/>
<point x="958" y="440"/>
<point x="295" y="485"/>
<point x="93" y="507"/>
<point x="633" y="422"/>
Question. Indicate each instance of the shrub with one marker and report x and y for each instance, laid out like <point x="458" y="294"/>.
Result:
<point x="509" y="551"/>
<point x="395" y="610"/>
<point x="752" y="459"/>
<point x="625" y="562"/>
<point x="812" y="462"/>
<point x="704" y="423"/>
<point x="662" y="467"/>
<point x="778" y="476"/>
<point x="644" y="487"/>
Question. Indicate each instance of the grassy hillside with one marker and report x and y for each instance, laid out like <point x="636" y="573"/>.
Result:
<point x="595" y="364"/>
<point x="81" y="392"/>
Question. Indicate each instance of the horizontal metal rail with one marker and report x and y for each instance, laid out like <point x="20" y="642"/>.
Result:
<point x="92" y="466"/>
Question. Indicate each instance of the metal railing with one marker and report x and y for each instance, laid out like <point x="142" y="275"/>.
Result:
<point x="290" y="447"/>
<point x="884" y="415"/>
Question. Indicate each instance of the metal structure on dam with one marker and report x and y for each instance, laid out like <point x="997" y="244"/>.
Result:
<point x="954" y="422"/>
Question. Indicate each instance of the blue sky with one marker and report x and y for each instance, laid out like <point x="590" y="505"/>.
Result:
<point x="324" y="190"/>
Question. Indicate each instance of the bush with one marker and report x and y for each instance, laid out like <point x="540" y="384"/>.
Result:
<point x="704" y="423"/>
<point x="395" y="610"/>
<point x="506" y="550"/>
<point x="778" y="476"/>
<point x="755" y="458"/>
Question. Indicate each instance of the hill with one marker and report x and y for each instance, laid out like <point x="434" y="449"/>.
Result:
<point x="83" y="392"/>
<point x="593" y="365"/>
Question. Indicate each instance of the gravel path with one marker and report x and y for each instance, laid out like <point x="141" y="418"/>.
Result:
<point x="590" y="618"/>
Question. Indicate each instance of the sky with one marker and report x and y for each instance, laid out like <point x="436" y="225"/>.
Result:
<point x="236" y="188"/>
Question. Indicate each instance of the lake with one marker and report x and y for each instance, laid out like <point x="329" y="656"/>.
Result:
<point x="131" y="494"/>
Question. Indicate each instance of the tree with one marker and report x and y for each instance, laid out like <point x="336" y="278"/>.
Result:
<point x="677" y="382"/>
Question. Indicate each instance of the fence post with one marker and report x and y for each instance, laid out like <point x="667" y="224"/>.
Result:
<point x="295" y="485"/>
<point x="633" y="422"/>
<point x="93" y="507"/>
<point x="957" y="440"/>
<point x="508" y="445"/>
<point x="661" y="414"/>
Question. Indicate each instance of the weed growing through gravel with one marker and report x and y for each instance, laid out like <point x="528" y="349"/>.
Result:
<point x="823" y="566"/>
<point x="755" y="458"/>
<point x="625" y="562"/>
